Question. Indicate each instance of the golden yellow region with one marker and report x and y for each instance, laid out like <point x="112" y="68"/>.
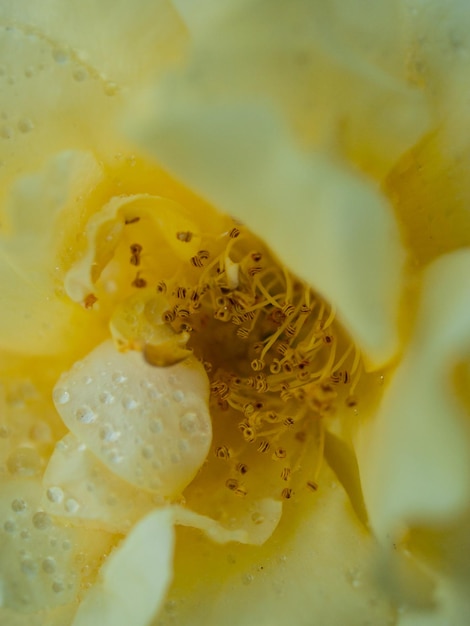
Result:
<point x="278" y="362"/>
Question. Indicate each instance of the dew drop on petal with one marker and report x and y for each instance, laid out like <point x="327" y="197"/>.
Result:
<point x="61" y="396"/>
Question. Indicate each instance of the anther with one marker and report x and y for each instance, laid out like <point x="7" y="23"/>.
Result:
<point x="232" y="484"/>
<point x="285" y="473"/>
<point x="242" y="468"/>
<point x="161" y="287"/>
<point x="312" y="485"/>
<point x="234" y="233"/>
<point x="184" y="236"/>
<point x="257" y="365"/>
<point x="131" y="220"/>
<point x="286" y="493"/>
<point x="136" y="250"/>
<point x="280" y="453"/>
<point x="222" y="452"/>
<point x="139" y="282"/>
<point x="263" y="446"/>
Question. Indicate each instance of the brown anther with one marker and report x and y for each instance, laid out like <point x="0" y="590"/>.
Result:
<point x="168" y="316"/>
<point x="131" y="220"/>
<point x="328" y="339"/>
<point x="242" y="468"/>
<point x="305" y="310"/>
<point x="261" y="383"/>
<point x="290" y="330"/>
<point x="257" y="347"/>
<point x="237" y="320"/>
<point x="222" y="452"/>
<point x="240" y="491"/>
<point x="161" y="287"/>
<point x="184" y="236"/>
<point x="234" y="233"/>
<point x="271" y="416"/>
<point x="203" y="255"/>
<point x="257" y="365"/>
<point x="312" y="485"/>
<point x="139" y="282"/>
<point x="285" y="473"/>
<point x="286" y="493"/>
<point x="180" y="293"/>
<point x="243" y="332"/>
<point x="232" y="484"/>
<point x="282" y="348"/>
<point x="289" y="421"/>
<point x="280" y="453"/>
<point x="351" y="401"/>
<point x="255" y="269"/>
<point x="136" y="250"/>
<point x="263" y="446"/>
<point x="345" y="377"/>
<point x="207" y="366"/>
<point x="256" y="256"/>
<point x="275" y="366"/>
<point x="248" y="409"/>
<point x="196" y="261"/>
<point x="288" y="309"/>
<point x="89" y="301"/>
<point x="223" y="314"/>
<point x="183" y="313"/>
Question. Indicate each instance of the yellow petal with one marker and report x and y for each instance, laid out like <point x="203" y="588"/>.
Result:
<point x="332" y="227"/>
<point x="37" y="317"/>
<point x="415" y="457"/>
<point x="316" y="569"/>
<point x="150" y="426"/>
<point x="135" y="577"/>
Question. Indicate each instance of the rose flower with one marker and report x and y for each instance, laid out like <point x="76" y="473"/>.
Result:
<point x="235" y="333"/>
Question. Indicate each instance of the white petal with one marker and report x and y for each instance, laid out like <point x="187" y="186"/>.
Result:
<point x="332" y="227"/>
<point x="149" y="425"/>
<point x="135" y="577"/>
<point x="415" y="457"/>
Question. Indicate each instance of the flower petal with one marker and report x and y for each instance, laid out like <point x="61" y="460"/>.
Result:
<point x="341" y="236"/>
<point x="149" y="425"/>
<point x="415" y="457"/>
<point x="318" y="555"/>
<point x="39" y="556"/>
<point x="83" y="491"/>
<point x="135" y="577"/>
<point x="37" y="317"/>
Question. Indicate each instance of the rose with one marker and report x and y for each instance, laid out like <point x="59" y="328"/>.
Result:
<point x="254" y="127"/>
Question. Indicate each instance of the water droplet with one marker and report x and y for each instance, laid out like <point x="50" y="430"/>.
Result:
<point x="9" y="526"/>
<point x="49" y="565"/>
<point x="108" y="434"/>
<point x="24" y="461"/>
<point x="85" y="415"/>
<point x="18" y="505"/>
<point x="155" y="426"/>
<point x="183" y="446"/>
<point x="55" y="494"/>
<point x="178" y="395"/>
<point x="58" y="586"/>
<point x="87" y="380"/>
<point x="147" y="452"/>
<point x="66" y="544"/>
<point x="114" y="456"/>
<point x="129" y="403"/>
<point x="111" y="89"/>
<point x="6" y="132"/>
<point x="25" y="534"/>
<point x="29" y="567"/>
<point x="118" y="378"/>
<point x="41" y="520"/>
<point x="60" y="56"/>
<point x="189" y="422"/>
<point x="61" y="396"/>
<point x="247" y="579"/>
<point x="25" y="125"/>
<point x="71" y="505"/>
<point x="106" y="397"/>
<point x="80" y="74"/>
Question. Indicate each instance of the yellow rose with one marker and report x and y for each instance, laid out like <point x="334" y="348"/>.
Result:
<point x="196" y="429"/>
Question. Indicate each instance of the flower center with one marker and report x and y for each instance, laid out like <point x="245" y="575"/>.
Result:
<point x="277" y="360"/>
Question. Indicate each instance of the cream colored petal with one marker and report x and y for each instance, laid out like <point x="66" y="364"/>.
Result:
<point x="38" y="566"/>
<point x="330" y="226"/>
<point x="149" y="425"/>
<point x="83" y="491"/>
<point x="135" y="577"/>
<point x="253" y="528"/>
<point x="336" y="70"/>
<point x="317" y="568"/>
<point x="43" y="208"/>
<point x="137" y="38"/>
<point x="415" y="457"/>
